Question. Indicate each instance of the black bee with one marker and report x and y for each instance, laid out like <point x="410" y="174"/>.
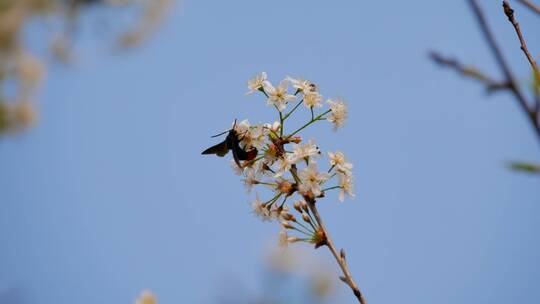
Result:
<point x="232" y="143"/>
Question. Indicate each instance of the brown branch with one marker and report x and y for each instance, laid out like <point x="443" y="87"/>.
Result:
<point x="509" y="12"/>
<point x="340" y="257"/>
<point x="468" y="71"/>
<point x="503" y="65"/>
<point x="533" y="7"/>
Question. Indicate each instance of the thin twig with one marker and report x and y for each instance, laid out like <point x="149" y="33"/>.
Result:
<point x="503" y="65"/>
<point x="467" y="71"/>
<point x="340" y="257"/>
<point x="509" y="12"/>
<point x="533" y="7"/>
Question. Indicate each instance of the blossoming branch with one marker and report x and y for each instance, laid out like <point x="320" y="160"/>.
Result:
<point x="274" y="157"/>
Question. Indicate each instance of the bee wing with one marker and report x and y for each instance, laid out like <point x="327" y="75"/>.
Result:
<point x="220" y="149"/>
<point x="235" y="151"/>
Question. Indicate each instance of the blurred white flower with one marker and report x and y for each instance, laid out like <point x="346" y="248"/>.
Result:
<point x="146" y="297"/>
<point x="338" y="113"/>
<point x="237" y="169"/>
<point x="250" y="180"/>
<point x="259" y="209"/>
<point x="346" y="184"/>
<point x="30" y="70"/>
<point x="313" y="99"/>
<point x="283" y="236"/>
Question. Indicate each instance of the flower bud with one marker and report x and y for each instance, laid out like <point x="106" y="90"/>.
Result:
<point x="295" y="139"/>
<point x="306" y="218"/>
<point x="305" y="206"/>
<point x="298" y="206"/>
<point x="287" y="225"/>
<point x="285" y="187"/>
<point x="288" y="217"/>
<point x="293" y="239"/>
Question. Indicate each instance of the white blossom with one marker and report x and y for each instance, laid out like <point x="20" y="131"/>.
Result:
<point x="250" y="136"/>
<point x="258" y="168"/>
<point x="257" y="137"/>
<point x="313" y="99"/>
<point x="250" y="180"/>
<point x="237" y="169"/>
<point x="256" y="83"/>
<point x="241" y="127"/>
<point x="311" y="179"/>
<point x="338" y="161"/>
<point x="278" y="96"/>
<point x="283" y="165"/>
<point x="346" y="184"/>
<point x="301" y="85"/>
<point x="305" y="151"/>
<point x="338" y="113"/>
<point x="273" y="128"/>
<point x="259" y="209"/>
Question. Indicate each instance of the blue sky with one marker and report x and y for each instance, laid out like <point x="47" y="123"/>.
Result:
<point x="109" y="194"/>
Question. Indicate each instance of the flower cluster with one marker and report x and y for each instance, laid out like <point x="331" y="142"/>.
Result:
<point x="286" y="164"/>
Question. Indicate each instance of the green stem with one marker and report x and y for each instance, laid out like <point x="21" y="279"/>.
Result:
<point x="318" y="117"/>
<point x="302" y="231"/>
<point x="294" y="109"/>
<point x="308" y="229"/>
<point x="281" y="122"/>
<point x="311" y="224"/>
<point x="312" y="219"/>
<point x="284" y="200"/>
<point x="330" y="188"/>
<point x="272" y="201"/>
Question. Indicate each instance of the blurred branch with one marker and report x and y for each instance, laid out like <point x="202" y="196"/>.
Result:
<point x="468" y="71"/>
<point x="340" y="257"/>
<point x="533" y="7"/>
<point x="531" y="113"/>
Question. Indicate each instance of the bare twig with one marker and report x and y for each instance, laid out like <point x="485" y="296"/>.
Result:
<point x="503" y="65"/>
<point x="467" y="71"/>
<point x="340" y="257"/>
<point x="509" y="12"/>
<point x="533" y="7"/>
